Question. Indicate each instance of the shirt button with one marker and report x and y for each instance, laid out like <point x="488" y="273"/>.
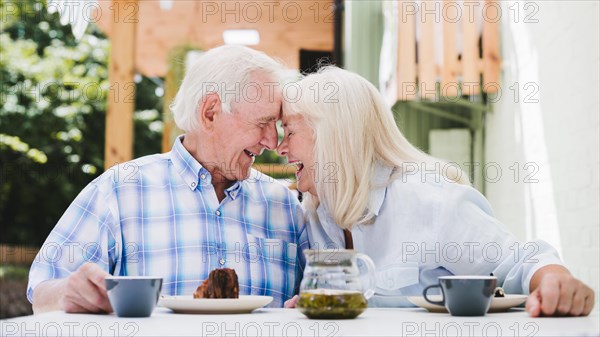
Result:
<point x="218" y="212"/>
<point x="203" y="176"/>
<point x="193" y="184"/>
<point x="222" y="261"/>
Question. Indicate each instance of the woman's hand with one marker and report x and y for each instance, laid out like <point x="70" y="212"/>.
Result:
<point x="291" y="303"/>
<point x="558" y="293"/>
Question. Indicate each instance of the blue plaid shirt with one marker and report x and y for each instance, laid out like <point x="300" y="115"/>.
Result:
<point x="159" y="216"/>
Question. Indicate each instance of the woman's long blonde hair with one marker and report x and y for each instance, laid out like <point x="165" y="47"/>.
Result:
<point x="354" y="130"/>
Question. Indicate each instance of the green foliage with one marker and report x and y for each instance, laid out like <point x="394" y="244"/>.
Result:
<point x="52" y="118"/>
<point x="14" y="272"/>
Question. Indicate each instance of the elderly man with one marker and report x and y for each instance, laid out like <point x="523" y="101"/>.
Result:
<point x="181" y="214"/>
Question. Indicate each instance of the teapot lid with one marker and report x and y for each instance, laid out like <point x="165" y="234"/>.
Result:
<point x="330" y="257"/>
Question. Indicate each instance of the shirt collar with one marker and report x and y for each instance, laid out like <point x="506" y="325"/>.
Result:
<point x="234" y="190"/>
<point x="379" y="182"/>
<point x="193" y="173"/>
<point x="333" y="232"/>
<point x="187" y="166"/>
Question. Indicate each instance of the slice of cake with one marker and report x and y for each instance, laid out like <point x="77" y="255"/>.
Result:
<point x="221" y="283"/>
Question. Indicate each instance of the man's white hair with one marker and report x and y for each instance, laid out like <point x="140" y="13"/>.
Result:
<point x="227" y="71"/>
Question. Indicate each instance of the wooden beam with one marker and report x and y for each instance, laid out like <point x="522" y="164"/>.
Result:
<point x="121" y="96"/>
<point x="440" y="113"/>
<point x="473" y="106"/>
<point x="276" y="170"/>
<point x="491" y="46"/>
<point x="427" y="78"/>
<point x="450" y="68"/>
<point x="285" y="27"/>
<point x="470" y="50"/>
<point x="407" y="72"/>
<point x="171" y="87"/>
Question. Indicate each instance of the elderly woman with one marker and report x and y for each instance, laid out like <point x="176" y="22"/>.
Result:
<point x="418" y="218"/>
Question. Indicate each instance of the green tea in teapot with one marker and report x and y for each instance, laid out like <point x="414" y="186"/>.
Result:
<point x="331" y="304"/>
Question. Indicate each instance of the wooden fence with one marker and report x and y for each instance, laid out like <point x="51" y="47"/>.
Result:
<point x="17" y="254"/>
<point x="473" y="24"/>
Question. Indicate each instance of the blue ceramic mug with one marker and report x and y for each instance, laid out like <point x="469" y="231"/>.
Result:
<point x="133" y="296"/>
<point x="465" y="295"/>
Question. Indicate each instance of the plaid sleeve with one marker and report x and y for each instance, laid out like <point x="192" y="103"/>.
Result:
<point x="84" y="233"/>
<point x="302" y="245"/>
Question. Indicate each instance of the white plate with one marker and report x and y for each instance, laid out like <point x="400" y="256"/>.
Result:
<point x="499" y="304"/>
<point x="191" y="305"/>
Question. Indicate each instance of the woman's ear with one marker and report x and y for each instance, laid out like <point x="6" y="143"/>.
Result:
<point x="208" y="108"/>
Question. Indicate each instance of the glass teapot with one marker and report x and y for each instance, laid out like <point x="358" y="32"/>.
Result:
<point x="333" y="286"/>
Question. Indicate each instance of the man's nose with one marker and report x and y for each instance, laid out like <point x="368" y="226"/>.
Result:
<point x="270" y="138"/>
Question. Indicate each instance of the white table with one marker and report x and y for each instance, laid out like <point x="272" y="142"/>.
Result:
<point x="290" y="322"/>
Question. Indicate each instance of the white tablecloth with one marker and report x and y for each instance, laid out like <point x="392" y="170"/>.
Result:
<point x="290" y="322"/>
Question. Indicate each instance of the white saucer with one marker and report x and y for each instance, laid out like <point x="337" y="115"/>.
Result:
<point x="191" y="305"/>
<point x="499" y="304"/>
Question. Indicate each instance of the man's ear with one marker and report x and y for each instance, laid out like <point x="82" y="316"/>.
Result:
<point x="208" y="108"/>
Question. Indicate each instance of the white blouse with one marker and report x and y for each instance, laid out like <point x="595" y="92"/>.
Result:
<point x="426" y="227"/>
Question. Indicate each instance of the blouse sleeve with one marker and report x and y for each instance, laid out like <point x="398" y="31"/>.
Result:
<point x="474" y="242"/>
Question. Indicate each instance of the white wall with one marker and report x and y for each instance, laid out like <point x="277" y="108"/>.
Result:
<point x="556" y="129"/>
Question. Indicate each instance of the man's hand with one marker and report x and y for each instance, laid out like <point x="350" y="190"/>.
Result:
<point x="85" y="291"/>
<point x="559" y="294"/>
<point x="82" y="292"/>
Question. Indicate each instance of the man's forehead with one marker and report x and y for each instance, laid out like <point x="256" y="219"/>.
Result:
<point x="287" y="120"/>
<point x="270" y="118"/>
<point x="265" y="113"/>
<point x="262" y="110"/>
<point x="265" y="88"/>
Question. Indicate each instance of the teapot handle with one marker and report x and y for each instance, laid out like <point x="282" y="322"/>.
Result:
<point x="372" y="278"/>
